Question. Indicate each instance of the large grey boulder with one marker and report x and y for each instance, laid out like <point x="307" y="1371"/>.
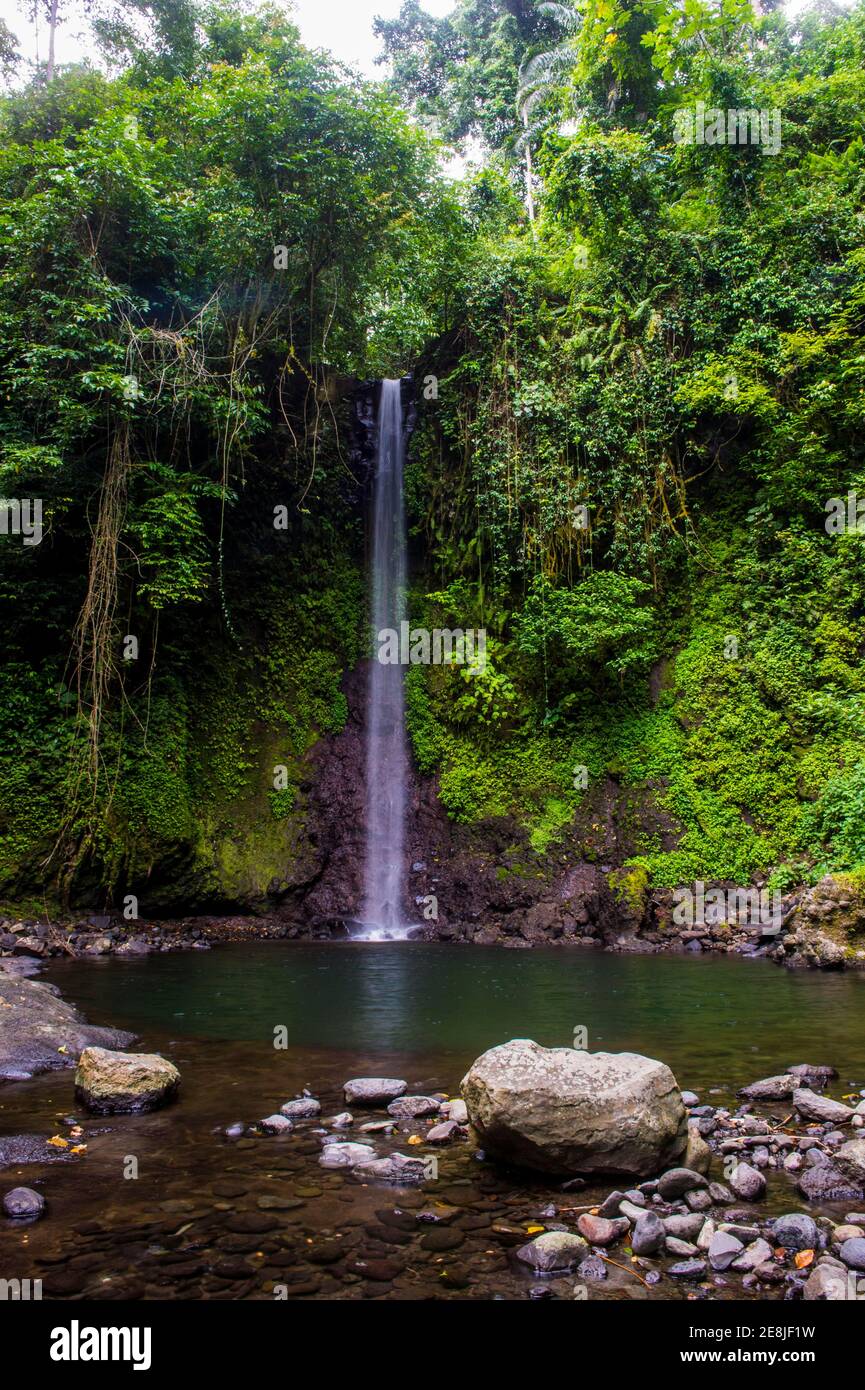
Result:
<point x="561" y="1110"/>
<point x="124" y="1083"/>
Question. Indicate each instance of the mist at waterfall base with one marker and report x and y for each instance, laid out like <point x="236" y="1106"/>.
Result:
<point x="383" y="917"/>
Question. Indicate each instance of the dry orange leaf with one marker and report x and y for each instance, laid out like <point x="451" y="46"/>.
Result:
<point x="58" y="1142"/>
<point x="533" y="1230"/>
<point x="415" y="1139"/>
<point x="804" y="1258"/>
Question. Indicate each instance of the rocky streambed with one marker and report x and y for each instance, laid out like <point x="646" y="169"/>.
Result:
<point x="232" y="1169"/>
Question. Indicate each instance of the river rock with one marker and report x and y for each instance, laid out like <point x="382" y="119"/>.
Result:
<point x="822" y="1108"/>
<point x="35" y="1024"/>
<point x="124" y="1083"/>
<point x="373" y="1090"/>
<point x="455" y="1110"/>
<point x="688" y="1269"/>
<point x="554" y="1252"/>
<point x="444" y="1133"/>
<point x="826" y="1283"/>
<point x="412" y="1107"/>
<point x="747" y="1183"/>
<point x="648" y="1234"/>
<point x="810" y="1075"/>
<point x="796" y="1231"/>
<point x="850" y="1158"/>
<point x="698" y="1156"/>
<point x="852" y="1252"/>
<point x="680" y="1248"/>
<point x="276" y="1124"/>
<point x="772" y="1087"/>
<point x="23" y="1204"/>
<point x="827" y="1183"/>
<point x="723" y="1250"/>
<point x="758" y="1253"/>
<point x="684" y="1227"/>
<point x="677" y="1181"/>
<point x="600" y="1230"/>
<point x="400" y="1169"/>
<point x="305" y="1108"/>
<point x="565" y="1111"/>
<point x="345" y="1155"/>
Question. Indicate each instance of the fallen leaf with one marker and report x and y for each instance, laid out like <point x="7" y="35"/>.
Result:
<point x="533" y="1230"/>
<point x="415" y="1139"/>
<point x="804" y="1258"/>
<point x="58" y="1142"/>
<point x="78" y="1149"/>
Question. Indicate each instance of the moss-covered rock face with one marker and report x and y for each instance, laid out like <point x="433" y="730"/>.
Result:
<point x="828" y="928"/>
<point x="630" y="888"/>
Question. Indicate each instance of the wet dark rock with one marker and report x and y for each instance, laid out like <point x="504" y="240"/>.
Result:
<point x="379" y="1270"/>
<point x="796" y="1231"/>
<point x="32" y="1148"/>
<point x="648" y="1234"/>
<point x="592" y="1268"/>
<point x="441" y="1239"/>
<point x="852" y="1252"/>
<point x="250" y="1223"/>
<point x="688" y="1269"/>
<point x="828" y="1184"/>
<point x="677" y="1181"/>
<point x="36" y="1023"/>
<point x="23" y="1204"/>
<point x="747" y="1183"/>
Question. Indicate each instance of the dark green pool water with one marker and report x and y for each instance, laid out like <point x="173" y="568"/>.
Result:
<point x="714" y="1020"/>
<point x="212" y="1217"/>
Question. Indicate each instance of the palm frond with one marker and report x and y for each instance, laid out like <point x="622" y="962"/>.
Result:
<point x="566" y="15"/>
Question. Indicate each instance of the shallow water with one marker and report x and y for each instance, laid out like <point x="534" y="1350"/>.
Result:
<point x="207" y="1217"/>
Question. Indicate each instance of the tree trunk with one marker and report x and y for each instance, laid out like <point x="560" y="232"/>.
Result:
<point x="530" y="192"/>
<point x="52" y="30"/>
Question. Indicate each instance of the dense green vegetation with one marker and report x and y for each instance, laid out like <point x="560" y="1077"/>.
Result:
<point x="647" y="392"/>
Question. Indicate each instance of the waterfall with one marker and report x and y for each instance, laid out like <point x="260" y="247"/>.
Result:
<point x="386" y="750"/>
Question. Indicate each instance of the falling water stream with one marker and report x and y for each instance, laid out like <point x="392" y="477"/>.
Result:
<point x="386" y="752"/>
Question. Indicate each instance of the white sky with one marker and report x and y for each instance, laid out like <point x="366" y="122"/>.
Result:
<point x="343" y="26"/>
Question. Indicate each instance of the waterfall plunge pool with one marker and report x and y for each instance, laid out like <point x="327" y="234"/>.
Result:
<point x="211" y="1217"/>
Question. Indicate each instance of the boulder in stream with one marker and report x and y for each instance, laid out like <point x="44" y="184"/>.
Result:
<point x="124" y="1083"/>
<point x="561" y="1110"/>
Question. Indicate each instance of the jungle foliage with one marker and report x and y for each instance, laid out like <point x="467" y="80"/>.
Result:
<point x="645" y="398"/>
